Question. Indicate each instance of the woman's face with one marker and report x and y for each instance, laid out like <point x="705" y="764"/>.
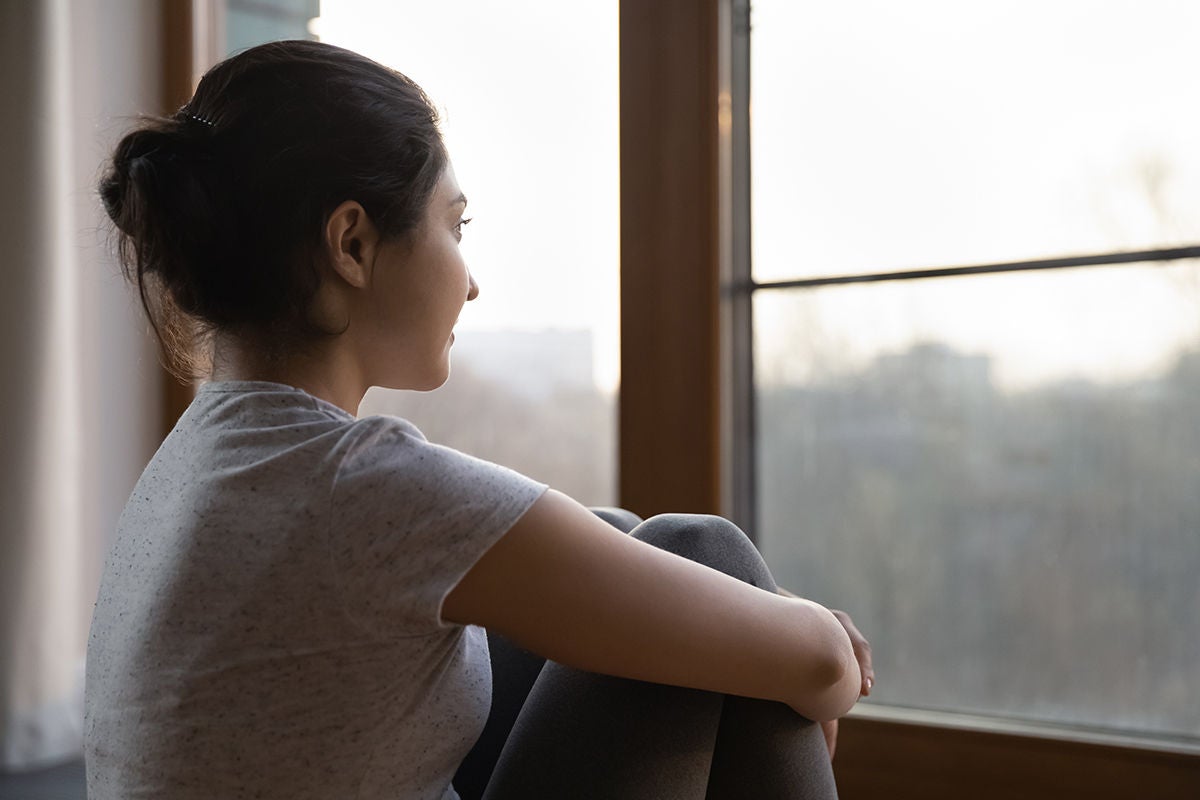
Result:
<point x="418" y="288"/>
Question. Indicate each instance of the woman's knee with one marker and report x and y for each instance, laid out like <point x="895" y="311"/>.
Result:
<point x="710" y="540"/>
<point x="621" y="519"/>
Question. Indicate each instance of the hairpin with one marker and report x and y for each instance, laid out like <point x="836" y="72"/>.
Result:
<point x="202" y="120"/>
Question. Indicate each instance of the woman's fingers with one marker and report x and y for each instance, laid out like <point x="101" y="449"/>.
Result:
<point x="830" y="729"/>
<point x="862" y="650"/>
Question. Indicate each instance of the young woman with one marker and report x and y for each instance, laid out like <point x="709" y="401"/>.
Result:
<point x="291" y="607"/>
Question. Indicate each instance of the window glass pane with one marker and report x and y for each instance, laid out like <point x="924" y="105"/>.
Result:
<point x="936" y="132"/>
<point x="997" y="476"/>
<point x="251" y="22"/>
<point x="528" y="96"/>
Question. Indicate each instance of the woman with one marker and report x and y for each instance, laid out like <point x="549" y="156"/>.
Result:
<point x="290" y="607"/>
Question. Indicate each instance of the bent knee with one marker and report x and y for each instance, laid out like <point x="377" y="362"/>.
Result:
<point x="710" y="540"/>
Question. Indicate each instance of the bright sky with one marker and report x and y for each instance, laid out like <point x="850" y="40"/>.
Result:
<point x="528" y="92"/>
<point x="886" y="135"/>
<point x="936" y="132"/>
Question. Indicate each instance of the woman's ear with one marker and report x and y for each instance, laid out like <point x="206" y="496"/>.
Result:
<point x="351" y="240"/>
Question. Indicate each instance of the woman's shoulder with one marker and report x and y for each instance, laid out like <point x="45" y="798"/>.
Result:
<point x="259" y="422"/>
<point x="390" y="448"/>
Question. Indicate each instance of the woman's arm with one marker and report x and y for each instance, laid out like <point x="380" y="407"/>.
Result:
<point x="567" y="586"/>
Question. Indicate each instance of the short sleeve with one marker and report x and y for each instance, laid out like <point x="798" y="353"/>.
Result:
<point x="408" y="519"/>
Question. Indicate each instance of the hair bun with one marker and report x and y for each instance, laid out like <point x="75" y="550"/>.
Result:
<point x="159" y="192"/>
<point x="143" y="160"/>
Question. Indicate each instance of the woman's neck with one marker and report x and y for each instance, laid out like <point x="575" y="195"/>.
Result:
<point x="323" y="370"/>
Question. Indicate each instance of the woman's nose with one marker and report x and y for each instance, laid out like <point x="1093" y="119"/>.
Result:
<point x="472" y="287"/>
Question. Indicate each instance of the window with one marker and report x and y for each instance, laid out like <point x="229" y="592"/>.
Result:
<point x="528" y="96"/>
<point x="528" y="93"/>
<point x="969" y="432"/>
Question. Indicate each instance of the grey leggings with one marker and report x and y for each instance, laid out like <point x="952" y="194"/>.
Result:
<point x="558" y="732"/>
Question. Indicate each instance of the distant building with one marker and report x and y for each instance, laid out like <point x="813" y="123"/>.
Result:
<point x="533" y="364"/>
<point x="950" y="370"/>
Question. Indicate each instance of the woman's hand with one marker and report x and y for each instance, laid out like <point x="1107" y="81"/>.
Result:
<point x="862" y="651"/>
<point x="862" y="648"/>
<point x="830" y="729"/>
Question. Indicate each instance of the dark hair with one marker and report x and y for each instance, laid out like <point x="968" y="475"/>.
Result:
<point x="220" y="208"/>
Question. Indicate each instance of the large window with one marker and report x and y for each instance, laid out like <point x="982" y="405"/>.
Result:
<point x="528" y="96"/>
<point x="528" y="93"/>
<point x="976" y="343"/>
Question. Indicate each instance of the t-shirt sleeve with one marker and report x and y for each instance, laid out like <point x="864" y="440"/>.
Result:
<point x="408" y="519"/>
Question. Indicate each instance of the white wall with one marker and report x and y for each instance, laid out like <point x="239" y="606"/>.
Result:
<point x="79" y="404"/>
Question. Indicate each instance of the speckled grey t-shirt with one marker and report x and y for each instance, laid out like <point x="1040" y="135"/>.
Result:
<point x="269" y="621"/>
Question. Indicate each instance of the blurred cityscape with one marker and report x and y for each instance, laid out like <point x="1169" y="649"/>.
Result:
<point x="952" y="518"/>
<point x="1030" y="553"/>
<point x="524" y="399"/>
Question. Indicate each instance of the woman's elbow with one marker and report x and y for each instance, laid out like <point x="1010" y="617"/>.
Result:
<point x="845" y="689"/>
<point x="833" y="681"/>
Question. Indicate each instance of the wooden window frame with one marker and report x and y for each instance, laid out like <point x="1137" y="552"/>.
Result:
<point x="178" y="56"/>
<point x="677" y="432"/>
<point x="668" y="429"/>
<point x="190" y="32"/>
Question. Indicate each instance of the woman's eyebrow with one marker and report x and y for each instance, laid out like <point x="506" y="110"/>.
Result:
<point x="462" y="198"/>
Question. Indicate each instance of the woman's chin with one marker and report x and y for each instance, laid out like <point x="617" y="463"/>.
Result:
<point x="428" y="380"/>
<point x="437" y="377"/>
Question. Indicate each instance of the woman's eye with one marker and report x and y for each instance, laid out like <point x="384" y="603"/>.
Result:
<point x="458" y="226"/>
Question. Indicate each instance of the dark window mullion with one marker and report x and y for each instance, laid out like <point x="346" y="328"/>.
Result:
<point x="1163" y="255"/>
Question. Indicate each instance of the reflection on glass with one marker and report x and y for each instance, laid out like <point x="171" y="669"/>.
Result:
<point x="998" y="477"/>
<point x="935" y="132"/>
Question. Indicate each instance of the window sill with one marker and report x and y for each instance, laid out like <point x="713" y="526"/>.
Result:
<point x="899" y="752"/>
